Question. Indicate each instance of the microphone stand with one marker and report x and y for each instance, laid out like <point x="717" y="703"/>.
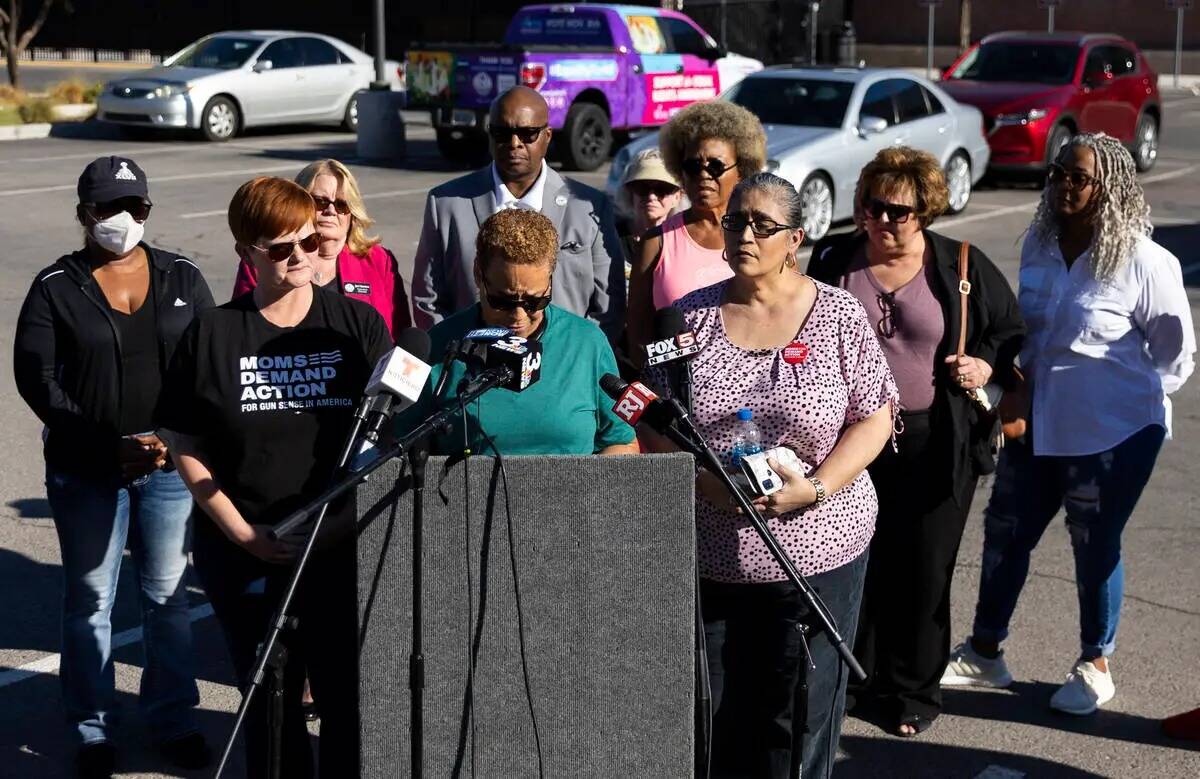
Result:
<point x="417" y="458"/>
<point x="691" y="441"/>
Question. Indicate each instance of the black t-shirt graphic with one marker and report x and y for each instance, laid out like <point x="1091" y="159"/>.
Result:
<point x="272" y="406"/>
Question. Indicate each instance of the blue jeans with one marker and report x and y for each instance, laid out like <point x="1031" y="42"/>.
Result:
<point x="93" y="520"/>
<point x="1099" y="493"/>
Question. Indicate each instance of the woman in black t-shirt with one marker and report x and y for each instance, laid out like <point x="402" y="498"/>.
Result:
<point x="262" y="393"/>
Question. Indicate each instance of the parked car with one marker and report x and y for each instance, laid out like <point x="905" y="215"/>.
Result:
<point x="226" y="82"/>
<point x="601" y="68"/>
<point x="1036" y="90"/>
<point x="824" y="124"/>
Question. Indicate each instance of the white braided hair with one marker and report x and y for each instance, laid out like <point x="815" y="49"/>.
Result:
<point x="1118" y="210"/>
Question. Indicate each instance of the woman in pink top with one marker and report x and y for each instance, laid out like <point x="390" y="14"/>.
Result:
<point x="802" y="356"/>
<point x="710" y="147"/>
<point x="360" y="266"/>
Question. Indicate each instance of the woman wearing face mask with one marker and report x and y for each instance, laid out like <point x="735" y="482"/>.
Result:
<point x="710" y="147"/>
<point x="94" y="339"/>
<point x="357" y="264"/>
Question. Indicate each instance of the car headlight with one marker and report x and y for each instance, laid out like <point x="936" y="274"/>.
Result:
<point x="171" y="90"/>
<point x="1021" y="117"/>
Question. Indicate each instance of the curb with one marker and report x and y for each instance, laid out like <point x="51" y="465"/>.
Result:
<point x="18" y="132"/>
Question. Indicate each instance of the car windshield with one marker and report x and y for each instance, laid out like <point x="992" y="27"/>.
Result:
<point x="1040" y="63"/>
<point x="216" y="54"/>
<point x="808" y="102"/>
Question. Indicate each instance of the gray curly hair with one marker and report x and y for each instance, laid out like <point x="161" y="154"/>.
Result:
<point x="1118" y="211"/>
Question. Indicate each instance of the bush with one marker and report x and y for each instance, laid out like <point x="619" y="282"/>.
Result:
<point x="35" y="111"/>
<point x="74" y="91"/>
<point x="10" y="96"/>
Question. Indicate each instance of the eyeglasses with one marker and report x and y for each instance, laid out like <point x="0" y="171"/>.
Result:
<point x="502" y="133"/>
<point x="713" y="166"/>
<point x="323" y="204"/>
<point x="644" y="189"/>
<point x="761" y="227"/>
<point x="278" y="252"/>
<point x="887" y="305"/>
<point x="531" y="304"/>
<point x="1077" y="179"/>
<point x="896" y="213"/>
<point x="137" y="208"/>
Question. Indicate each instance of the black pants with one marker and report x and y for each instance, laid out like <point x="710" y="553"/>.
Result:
<point x="325" y="642"/>
<point x="904" y="625"/>
<point x="754" y="652"/>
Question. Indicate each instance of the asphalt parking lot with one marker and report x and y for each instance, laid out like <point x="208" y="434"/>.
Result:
<point x="983" y="734"/>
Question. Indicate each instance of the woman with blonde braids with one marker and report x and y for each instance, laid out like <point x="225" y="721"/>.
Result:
<point x="1110" y="336"/>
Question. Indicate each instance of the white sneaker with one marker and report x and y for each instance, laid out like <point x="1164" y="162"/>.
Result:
<point x="968" y="668"/>
<point x="1087" y="688"/>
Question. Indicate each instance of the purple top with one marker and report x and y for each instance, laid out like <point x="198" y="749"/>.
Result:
<point x="919" y="324"/>
<point x="804" y="405"/>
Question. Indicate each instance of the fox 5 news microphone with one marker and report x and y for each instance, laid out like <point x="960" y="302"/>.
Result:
<point x="673" y="347"/>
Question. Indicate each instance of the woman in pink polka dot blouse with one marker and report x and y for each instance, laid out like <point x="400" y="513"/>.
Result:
<point x="803" y="357"/>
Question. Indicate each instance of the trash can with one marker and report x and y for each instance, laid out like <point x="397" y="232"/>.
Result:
<point x="847" y="46"/>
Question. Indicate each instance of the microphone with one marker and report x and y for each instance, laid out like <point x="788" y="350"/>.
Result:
<point x="636" y="403"/>
<point x="454" y="351"/>
<point x="396" y="384"/>
<point x="516" y="362"/>
<point x="673" y="347"/>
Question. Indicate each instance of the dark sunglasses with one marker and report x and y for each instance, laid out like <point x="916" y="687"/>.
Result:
<point x="660" y="189"/>
<point x="532" y="304"/>
<point x="502" y="133"/>
<point x="693" y="165"/>
<point x="278" y="252"/>
<point x="323" y="203"/>
<point x="137" y="208"/>
<point x="890" y="311"/>
<point x="762" y="228"/>
<point x="1077" y="179"/>
<point x="898" y="214"/>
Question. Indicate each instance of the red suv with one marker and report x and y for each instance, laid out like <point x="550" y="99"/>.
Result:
<point x="1037" y="89"/>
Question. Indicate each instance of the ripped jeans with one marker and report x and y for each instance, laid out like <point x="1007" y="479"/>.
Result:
<point x="1099" y="493"/>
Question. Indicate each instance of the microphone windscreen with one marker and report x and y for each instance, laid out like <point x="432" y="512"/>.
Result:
<point x="414" y="341"/>
<point x="668" y="322"/>
<point x="613" y="385"/>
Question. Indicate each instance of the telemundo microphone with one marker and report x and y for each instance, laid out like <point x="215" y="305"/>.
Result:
<point x="396" y="384"/>
<point x="673" y="347"/>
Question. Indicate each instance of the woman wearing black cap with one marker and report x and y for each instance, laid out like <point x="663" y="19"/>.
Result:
<point x="94" y="338"/>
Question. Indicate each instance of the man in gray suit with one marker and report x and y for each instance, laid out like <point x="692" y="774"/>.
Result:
<point x="589" y="279"/>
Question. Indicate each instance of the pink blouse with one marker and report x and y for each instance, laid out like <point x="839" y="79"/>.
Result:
<point x="804" y="404"/>
<point x="684" y="265"/>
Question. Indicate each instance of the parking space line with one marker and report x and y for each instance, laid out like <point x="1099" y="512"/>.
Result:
<point x="1173" y="174"/>
<point x="93" y="155"/>
<point x="372" y="196"/>
<point x="215" y="174"/>
<point x="49" y="664"/>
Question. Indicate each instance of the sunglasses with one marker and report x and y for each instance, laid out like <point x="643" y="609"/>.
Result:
<point x="532" y="304"/>
<point x="715" y="168"/>
<point x="897" y="214"/>
<point x="323" y="204"/>
<point x="761" y="227"/>
<point x="644" y="189"/>
<point x="278" y="252"/>
<point x="137" y="208"/>
<point x="502" y="133"/>
<point x="1076" y="179"/>
<point x="890" y="311"/>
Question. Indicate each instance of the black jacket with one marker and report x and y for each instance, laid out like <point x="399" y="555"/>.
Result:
<point x="995" y="332"/>
<point x="67" y="355"/>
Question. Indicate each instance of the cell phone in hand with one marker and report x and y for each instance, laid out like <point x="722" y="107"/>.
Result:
<point x="762" y="477"/>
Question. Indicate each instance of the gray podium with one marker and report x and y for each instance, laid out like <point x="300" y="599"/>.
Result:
<point x="603" y="549"/>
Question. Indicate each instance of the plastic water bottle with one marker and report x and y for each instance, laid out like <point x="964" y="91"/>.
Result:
<point x="746" y="438"/>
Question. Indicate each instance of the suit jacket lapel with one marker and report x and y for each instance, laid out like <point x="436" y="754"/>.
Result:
<point x="554" y="200"/>
<point x="484" y="201"/>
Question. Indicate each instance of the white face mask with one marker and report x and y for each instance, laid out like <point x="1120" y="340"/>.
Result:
<point x="118" y="234"/>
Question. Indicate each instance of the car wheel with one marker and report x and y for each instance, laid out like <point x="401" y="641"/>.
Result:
<point x="817" y="197"/>
<point x="1145" y="143"/>
<point x="350" y="118"/>
<point x="1059" y="137"/>
<point x="958" y="181"/>
<point x="588" y="137"/>
<point x="219" y="120"/>
<point x="462" y="146"/>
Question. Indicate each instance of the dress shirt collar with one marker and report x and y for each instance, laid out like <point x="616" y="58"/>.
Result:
<point x="532" y="201"/>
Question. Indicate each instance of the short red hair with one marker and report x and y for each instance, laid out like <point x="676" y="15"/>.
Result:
<point x="267" y="207"/>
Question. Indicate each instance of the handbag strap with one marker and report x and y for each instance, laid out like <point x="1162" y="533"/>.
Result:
<point x="964" y="292"/>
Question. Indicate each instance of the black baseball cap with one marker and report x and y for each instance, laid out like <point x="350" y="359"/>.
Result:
<point x="112" y="178"/>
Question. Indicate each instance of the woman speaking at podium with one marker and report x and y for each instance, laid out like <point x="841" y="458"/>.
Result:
<point x="565" y="411"/>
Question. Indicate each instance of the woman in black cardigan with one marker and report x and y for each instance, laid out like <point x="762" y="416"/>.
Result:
<point x="906" y="277"/>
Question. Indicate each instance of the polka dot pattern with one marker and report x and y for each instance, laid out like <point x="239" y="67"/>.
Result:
<point x="804" y="406"/>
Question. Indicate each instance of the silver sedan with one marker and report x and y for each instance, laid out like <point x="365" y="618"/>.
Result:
<point x="824" y="124"/>
<point x="225" y="82"/>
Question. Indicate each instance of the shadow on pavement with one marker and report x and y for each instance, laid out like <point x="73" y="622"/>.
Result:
<point x="1184" y="242"/>
<point x="885" y="758"/>
<point x="31" y="508"/>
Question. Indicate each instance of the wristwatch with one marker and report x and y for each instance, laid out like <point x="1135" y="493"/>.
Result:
<point x="820" y="489"/>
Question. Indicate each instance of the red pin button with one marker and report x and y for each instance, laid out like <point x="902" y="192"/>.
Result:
<point x="795" y="353"/>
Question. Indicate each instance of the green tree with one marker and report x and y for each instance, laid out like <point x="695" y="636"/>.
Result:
<point x="964" y="25"/>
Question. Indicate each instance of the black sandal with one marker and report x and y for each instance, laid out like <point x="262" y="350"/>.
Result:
<point x="918" y="722"/>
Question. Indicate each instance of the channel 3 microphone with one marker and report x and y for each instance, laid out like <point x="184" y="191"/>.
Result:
<point x="673" y="348"/>
<point x="396" y="384"/>
<point x="515" y="362"/>
<point x="455" y="350"/>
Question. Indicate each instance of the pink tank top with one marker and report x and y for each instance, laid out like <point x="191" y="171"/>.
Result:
<point x="684" y="265"/>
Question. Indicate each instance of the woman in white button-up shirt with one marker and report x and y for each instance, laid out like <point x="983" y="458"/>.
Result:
<point x="1110" y="336"/>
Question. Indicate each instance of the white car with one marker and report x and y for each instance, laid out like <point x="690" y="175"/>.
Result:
<point x="824" y="124"/>
<point x="228" y="81"/>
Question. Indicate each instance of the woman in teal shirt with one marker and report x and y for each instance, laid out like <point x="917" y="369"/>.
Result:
<point x="565" y="411"/>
